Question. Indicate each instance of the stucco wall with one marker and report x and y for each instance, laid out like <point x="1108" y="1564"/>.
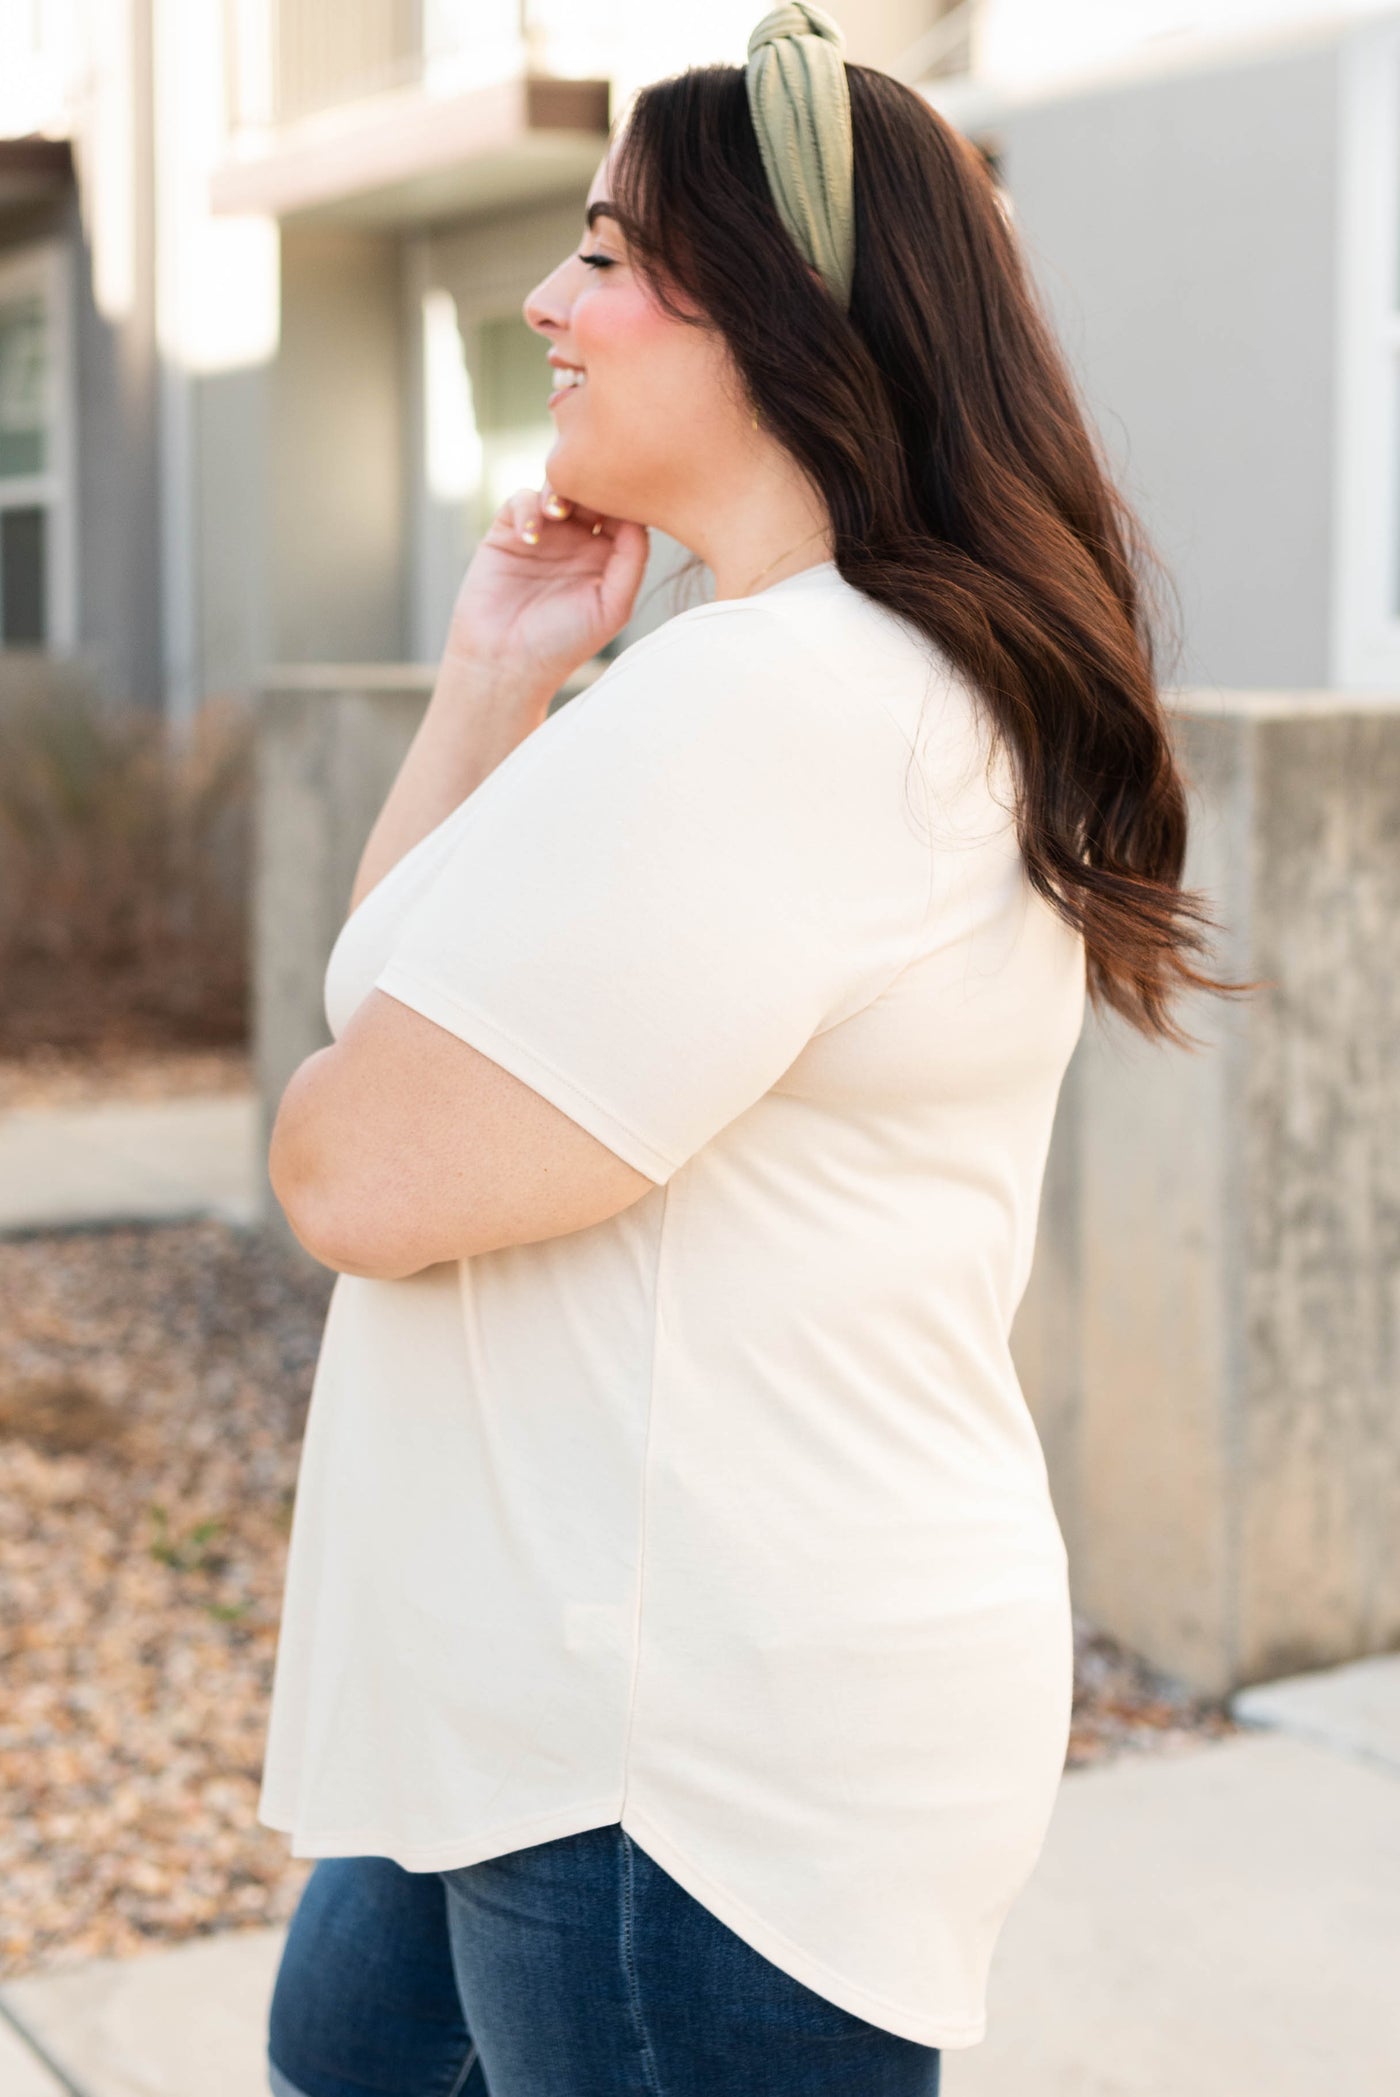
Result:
<point x="336" y="452"/>
<point x="1183" y="232"/>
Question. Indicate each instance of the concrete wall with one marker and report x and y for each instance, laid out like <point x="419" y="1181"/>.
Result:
<point x="1210" y="1342"/>
<point x="1183" y="232"/>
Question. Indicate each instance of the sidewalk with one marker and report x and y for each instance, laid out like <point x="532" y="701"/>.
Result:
<point x="1223" y="1920"/>
<point x="129" y="1160"/>
<point x="187" y="2022"/>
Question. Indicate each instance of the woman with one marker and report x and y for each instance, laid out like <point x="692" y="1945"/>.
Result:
<point x="676" y="1670"/>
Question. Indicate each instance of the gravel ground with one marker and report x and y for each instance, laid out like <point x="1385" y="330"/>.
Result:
<point x="153" y="1384"/>
<point x="153" y="1387"/>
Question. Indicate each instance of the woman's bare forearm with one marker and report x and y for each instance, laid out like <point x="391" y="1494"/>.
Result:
<point x="476" y="716"/>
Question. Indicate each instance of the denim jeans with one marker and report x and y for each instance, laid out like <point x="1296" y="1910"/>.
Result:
<point x="574" y="1968"/>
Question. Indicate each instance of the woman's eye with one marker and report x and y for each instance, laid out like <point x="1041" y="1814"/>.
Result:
<point x="598" y="261"/>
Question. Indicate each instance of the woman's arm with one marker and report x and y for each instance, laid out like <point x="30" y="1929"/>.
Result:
<point x="478" y="712"/>
<point x="401" y="1146"/>
<point x="398" y="1145"/>
<point x="550" y="582"/>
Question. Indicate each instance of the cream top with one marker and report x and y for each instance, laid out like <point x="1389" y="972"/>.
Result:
<point x="724" y="1518"/>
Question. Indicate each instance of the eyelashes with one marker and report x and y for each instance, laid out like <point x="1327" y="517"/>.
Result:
<point x="597" y="261"/>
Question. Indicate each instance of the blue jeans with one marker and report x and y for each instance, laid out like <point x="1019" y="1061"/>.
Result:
<point x="574" y="1968"/>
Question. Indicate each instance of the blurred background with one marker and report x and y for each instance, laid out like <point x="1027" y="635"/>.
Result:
<point x="263" y="381"/>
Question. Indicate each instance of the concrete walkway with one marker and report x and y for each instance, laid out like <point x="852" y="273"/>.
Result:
<point x="1222" y="1920"/>
<point x="128" y="1160"/>
<point x="187" y="2022"/>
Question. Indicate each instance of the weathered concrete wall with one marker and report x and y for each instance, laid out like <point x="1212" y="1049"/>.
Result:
<point x="1211" y="1339"/>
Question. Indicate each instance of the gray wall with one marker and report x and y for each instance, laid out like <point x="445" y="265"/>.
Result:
<point x="297" y="475"/>
<point x="235" y="551"/>
<point x="335" y="452"/>
<point x="117" y="438"/>
<point x="1182" y="230"/>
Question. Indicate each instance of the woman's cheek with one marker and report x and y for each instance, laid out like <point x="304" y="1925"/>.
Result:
<point x="624" y="326"/>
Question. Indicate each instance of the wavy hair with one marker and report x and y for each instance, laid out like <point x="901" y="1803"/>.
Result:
<point x="939" y="422"/>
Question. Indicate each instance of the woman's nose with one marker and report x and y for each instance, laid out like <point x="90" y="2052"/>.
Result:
<point x="545" y="309"/>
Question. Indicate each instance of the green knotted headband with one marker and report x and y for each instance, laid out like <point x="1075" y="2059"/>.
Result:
<point x="800" y="103"/>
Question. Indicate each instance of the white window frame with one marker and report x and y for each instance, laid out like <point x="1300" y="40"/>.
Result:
<point x="44" y="269"/>
<point x="1366" y="535"/>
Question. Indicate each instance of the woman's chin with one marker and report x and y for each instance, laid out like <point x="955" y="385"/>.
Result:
<point x="568" y="477"/>
<point x="560" y="468"/>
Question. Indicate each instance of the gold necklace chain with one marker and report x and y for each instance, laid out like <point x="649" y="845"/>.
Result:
<point x="818" y="533"/>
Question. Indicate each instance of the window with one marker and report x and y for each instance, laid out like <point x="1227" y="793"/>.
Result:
<point x="23" y="579"/>
<point x="35" y="511"/>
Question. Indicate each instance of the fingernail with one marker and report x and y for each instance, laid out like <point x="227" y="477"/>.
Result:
<point x="556" y="505"/>
<point x="530" y="533"/>
<point x="596" y="529"/>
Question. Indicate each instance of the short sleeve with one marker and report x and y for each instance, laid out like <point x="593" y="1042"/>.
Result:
<point x="709" y="859"/>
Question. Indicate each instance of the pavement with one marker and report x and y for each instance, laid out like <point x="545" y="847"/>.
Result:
<point x="129" y="1160"/>
<point x="187" y="2022"/>
<point x="1221" y="1918"/>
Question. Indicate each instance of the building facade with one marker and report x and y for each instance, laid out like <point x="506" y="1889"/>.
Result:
<point x="1215" y="226"/>
<point x="264" y="373"/>
<point x="263" y="370"/>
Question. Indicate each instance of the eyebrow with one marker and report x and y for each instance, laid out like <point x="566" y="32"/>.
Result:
<point x="597" y="211"/>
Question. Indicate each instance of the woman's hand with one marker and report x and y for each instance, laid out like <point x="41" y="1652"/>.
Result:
<point x="548" y="585"/>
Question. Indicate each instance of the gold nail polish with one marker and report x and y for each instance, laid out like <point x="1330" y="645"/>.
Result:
<point x="530" y="534"/>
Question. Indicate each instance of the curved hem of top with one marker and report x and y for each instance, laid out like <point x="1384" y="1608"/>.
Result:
<point x="580" y="1820"/>
<point x="445" y="1856"/>
<point x="793" y="1960"/>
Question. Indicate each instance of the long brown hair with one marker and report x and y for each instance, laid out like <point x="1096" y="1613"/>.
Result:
<point x="940" y="424"/>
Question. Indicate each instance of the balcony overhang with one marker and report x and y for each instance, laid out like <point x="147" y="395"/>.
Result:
<point x="412" y="157"/>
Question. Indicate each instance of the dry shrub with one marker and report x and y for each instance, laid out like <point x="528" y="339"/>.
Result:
<point x="124" y="874"/>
